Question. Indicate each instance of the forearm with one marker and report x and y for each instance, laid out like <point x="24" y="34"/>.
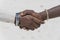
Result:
<point x="53" y="12"/>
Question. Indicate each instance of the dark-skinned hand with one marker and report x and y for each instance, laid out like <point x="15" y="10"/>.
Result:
<point x="30" y="20"/>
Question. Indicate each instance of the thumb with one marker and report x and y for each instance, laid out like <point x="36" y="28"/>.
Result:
<point x="22" y="14"/>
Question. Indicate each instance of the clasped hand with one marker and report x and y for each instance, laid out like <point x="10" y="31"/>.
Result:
<point x="30" y="20"/>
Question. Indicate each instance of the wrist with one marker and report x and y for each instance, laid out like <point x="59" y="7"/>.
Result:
<point x="39" y="16"/>
<point x="43" y="15"/>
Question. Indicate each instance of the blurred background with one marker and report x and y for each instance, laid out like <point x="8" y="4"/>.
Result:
<point x="48" y="31"/>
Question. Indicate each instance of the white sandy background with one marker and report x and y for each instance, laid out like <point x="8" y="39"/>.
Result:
<point x="48" y="31"/>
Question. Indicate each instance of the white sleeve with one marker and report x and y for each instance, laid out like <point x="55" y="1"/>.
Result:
<point x="7" y="17"/>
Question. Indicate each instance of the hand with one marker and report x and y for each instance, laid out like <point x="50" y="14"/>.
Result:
<point x="29" y="22"/>
<point x="32" y="13"/>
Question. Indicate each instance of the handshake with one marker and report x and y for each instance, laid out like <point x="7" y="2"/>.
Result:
<point x="30" y="20"/>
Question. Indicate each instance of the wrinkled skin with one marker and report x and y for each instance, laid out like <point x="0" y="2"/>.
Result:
<point x="30" y="20"/>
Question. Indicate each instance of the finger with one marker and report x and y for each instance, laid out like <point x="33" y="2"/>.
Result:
<point x="26" y="28"/>
<point x="26" y="25"/>
<point x="32" y="27"/>
<point x="42" y="22"/>
<point x="33" y="18"/>
<point x="35" y="25"/>
<point x="24" y="14"/>
<point x="21" y="14"/>
<point x="27" y="12"/>
<point x="21" y="27"/>
<point x="36" y="20"/>
<point x="25" y="22"/>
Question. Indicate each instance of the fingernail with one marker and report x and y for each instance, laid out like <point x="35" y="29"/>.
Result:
<point x="21" y="14"/>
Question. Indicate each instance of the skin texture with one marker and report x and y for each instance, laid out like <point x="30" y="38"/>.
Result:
<point x="31" y="20"/>
<point x="53" y="13"/>
<point x="29" y="23"/>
